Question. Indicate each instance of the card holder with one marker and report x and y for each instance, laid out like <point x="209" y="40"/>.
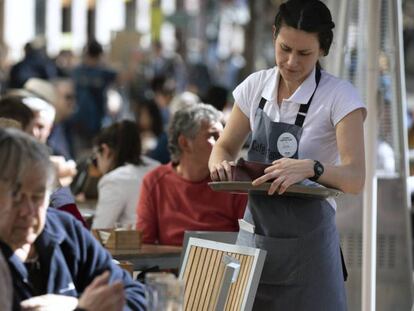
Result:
<point x="248" y="170"/>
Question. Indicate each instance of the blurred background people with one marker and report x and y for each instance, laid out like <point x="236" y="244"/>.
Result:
<point x="154" y="138"/>
<point x="41" y="97"/>
<point x="183" y="100"/>
<point x="119" y="159"/>
<point x="92" y="78"/>
<point x="163" y="89"/>
<point x="35" y="64"/>
<point x="60" y="138"/>
<point x="12" y="107"/>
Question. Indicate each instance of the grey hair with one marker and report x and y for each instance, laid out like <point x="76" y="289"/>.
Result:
<point x="19" y="152"/>
<point x="188" y="122"/>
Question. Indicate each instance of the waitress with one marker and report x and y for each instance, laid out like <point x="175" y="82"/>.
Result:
<point x="309" y="125"/>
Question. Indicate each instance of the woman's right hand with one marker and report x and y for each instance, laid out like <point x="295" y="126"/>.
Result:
<point x="222" y="171"/>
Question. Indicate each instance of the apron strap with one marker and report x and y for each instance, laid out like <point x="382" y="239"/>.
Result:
<point x="262" y="103"/>
<point x="344" y="269"/>
<point x="303" y="109"/>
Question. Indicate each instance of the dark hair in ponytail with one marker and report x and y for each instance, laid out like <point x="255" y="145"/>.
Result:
<point x="307" y="15"/>
<point x="124" y="140"/>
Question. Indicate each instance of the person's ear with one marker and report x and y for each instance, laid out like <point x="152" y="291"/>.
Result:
<point x="184" y="143"/>
<point x="321" y="53"/>
<point x="274" y="33"/>
<point x="106" y="150"/>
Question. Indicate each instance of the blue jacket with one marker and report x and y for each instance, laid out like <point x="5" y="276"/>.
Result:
<point x="73" y="258"/>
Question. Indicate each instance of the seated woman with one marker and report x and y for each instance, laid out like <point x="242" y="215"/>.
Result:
<point x="123" y="167"/>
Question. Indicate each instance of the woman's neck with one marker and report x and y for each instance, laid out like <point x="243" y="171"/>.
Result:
<point x="285" y="90"/>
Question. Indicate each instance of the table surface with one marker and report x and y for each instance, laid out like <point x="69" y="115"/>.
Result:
<point x="147" y="250"/>
<point x="150" y="255"/>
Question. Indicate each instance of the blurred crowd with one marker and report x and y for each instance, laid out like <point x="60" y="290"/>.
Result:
<point x="73" y="97"/>
<point x="80" y="128"/>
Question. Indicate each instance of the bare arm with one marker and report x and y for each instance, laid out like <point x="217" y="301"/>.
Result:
<point x="228" y="145"/>
<point x="349" y="176"/>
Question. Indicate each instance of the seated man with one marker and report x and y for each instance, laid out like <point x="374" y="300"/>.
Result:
<point x="176" y="197"/>
<point x="48" y="251"/>
<point x="41" y="97"/>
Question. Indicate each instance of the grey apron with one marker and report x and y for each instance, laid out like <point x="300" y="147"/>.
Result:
<point x="302" y="270"/>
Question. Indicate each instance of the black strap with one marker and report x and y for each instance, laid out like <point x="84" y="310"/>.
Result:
<point x="344" y="269"/>
<point x="303" y="109"/>
<point x="262" y="103"/>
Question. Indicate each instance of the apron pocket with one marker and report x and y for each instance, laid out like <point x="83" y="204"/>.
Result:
<point x="281" y="266"/>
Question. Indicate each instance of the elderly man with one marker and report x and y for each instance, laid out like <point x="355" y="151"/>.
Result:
<point x="41" y="97"/>
<point x="176" y="197"/>
<point x="48" y="251"/>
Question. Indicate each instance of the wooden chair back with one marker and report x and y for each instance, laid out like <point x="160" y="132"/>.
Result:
<point x="220" y="276"/>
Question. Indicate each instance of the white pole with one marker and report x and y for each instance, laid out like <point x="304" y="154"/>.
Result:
<point x="402" y="122"/>
<point x="369" y="232"/>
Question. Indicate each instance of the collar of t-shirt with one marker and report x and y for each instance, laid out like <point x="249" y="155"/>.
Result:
<point x="300" y="96"/>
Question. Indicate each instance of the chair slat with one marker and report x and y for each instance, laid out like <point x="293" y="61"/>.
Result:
<point x="202" y="271"/>
<point x="190" y="290"/>
<point x="218" y="279"/>
<point x="214" y="275"/>
<point x="205" y="293"/>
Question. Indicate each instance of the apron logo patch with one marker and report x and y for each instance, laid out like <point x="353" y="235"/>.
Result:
<point x="258" y="147"/>
<point x="287" y="145"/>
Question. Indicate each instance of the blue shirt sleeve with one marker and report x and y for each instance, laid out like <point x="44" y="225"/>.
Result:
<point x="87" y="258"/>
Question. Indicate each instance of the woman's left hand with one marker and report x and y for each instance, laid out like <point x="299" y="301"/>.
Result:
<point x="284" y="173"/>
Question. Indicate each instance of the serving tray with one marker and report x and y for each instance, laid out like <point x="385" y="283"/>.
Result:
<point x="302" y="189"/>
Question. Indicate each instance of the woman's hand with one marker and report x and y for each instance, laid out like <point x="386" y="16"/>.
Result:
<point x="284" y="173"/>
<point x="222" y="171"/>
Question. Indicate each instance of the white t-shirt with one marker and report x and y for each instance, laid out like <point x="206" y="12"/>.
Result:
<point x="118" y="194"/>
<point x="333" y="100"/>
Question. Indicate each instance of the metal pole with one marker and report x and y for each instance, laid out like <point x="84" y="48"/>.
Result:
<point x="341" y="36"/>
<point x="369" y="230"/>
<point x="402" y="110"/>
